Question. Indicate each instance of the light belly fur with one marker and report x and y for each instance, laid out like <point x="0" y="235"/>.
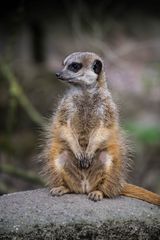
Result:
<point x="85" y="185"/>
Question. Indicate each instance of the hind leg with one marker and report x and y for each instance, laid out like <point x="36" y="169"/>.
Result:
<point x="58" y="186"/>
<point x="59" y="191"/>
<point x="103" y="165"/>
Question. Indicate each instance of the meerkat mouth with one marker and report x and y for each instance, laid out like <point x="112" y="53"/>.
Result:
<point x="70" y="79"/>
<point x="66" y="79"/>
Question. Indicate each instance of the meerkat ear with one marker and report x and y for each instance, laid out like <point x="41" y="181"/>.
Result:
<point x="97" y="66"/>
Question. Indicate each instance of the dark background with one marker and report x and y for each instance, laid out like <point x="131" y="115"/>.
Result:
<point x="35" y="36"/>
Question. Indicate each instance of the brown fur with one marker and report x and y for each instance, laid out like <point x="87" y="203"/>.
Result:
<point x="131" y="190"/>
<point x="85" y="151"/>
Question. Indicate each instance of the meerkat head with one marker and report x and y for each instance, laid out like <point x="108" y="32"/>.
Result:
<point x="81" y="68"/>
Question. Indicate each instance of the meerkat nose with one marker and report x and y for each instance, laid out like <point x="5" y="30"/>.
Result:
<point x="57" y="75"/>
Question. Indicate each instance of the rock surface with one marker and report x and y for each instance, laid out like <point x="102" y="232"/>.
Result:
<point x="37" y="215"/>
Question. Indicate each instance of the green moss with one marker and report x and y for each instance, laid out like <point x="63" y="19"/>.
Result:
<point x="149" y="135"/>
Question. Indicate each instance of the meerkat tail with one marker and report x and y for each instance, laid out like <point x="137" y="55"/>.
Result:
<point x="134" y="191"/>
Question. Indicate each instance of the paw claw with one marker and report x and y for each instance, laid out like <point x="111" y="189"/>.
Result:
<point x="95" y="196"/>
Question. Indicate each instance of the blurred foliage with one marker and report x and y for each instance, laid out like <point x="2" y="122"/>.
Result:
<point x="147" y="135"/>
<point x="17" y="94"/>
<point x="20" y="173"/>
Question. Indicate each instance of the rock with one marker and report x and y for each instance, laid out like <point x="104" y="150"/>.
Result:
<point x="38" y="215"/>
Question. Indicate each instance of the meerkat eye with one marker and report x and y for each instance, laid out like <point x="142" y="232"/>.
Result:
<point x="97" y="66"/>
<point x="74" y="66"/>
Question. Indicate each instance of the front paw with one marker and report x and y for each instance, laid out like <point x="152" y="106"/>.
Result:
<point x="95" y="196"/>
<point x="84" y="162"/>
<point x="84" y="159"/>
<point x="81" y="162"/>
<point x="90" y="156"/>
<point x="79" y="156"/>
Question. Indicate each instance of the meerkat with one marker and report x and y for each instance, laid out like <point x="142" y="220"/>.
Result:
<point x="85" y="150"/>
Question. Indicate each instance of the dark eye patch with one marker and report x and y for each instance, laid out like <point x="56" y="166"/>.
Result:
<point x="74" y="67"/>
<point x="97" y="66"/>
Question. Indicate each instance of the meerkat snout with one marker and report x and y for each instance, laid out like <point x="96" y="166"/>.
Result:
<point x="81" y="68"/>
<point x="57" y="74"/>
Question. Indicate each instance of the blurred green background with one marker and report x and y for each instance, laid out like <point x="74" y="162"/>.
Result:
<point x="35" y="36"/>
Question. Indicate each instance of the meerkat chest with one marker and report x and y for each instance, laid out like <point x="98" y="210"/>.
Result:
<point x="89" y="112"/>
<point x="86" y="118"/>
